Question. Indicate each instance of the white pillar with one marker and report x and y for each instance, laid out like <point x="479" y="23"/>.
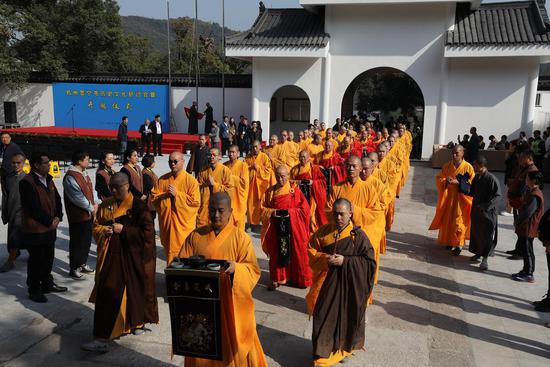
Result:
<point x="325" y="107"/>
<point x="443" y="96"/>
<point x="530" y="98"/>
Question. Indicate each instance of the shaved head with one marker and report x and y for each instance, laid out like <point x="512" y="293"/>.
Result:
<point x="221" y="198"/>
<point x="119" y="179"/>
<point x="353" y="159"/>
<point x="219" y="210"/>
<point x="373" y="156"/>
<point x="281" y="175"/>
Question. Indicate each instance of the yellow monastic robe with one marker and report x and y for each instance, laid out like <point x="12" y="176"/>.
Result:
<point x="341" y="137"/>
<point x="385" y="201"/>
<point x="323" y="133"/>
<point x="240" y="343"/>
<point x="239" y="175"/>
<point x="368" y="212"/>
<point x="177" y="216"/>
<point x="390" y="210"/>
<point x="452" y="216"/>
<point x="305" y="143"/>
<point x="223" y="183"/>
<point x="260" y="180"/>
<point x="314" y="150"/>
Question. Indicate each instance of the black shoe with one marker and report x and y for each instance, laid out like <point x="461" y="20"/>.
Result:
<point x="76" y="274"/>
<point x="522" y="277"/>
<point x="449" y="247"/>
<point x="160" y="155"/>
<point x="515" y="257"/>
<point x="512" y="252"/>
<point x="456" y="251"/>
<point x="38" y="297"/>
<point x="475" y="258"/>
<point x="544" y="301"/>
<point x="543" y="308"/>
<point x="484" y="266"/>
<point x="86" y="269"/>
<point x="54" y="288"/>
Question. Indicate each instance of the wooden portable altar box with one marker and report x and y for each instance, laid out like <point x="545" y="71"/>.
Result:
<point x="195" y="311"/>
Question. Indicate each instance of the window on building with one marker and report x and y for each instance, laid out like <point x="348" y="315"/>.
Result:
<point x="537" y="100"/>
<point x="296" y="109"/>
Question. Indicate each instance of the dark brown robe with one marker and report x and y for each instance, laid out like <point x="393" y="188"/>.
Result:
<point x="339" y="314"/>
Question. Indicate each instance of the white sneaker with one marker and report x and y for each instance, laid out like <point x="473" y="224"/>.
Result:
<point x="506" y="214"/>
<point x="95" y="346"/>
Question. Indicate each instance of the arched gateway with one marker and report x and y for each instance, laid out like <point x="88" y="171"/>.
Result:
<point x="289" y="109"/>
<point x="384" y="95"/>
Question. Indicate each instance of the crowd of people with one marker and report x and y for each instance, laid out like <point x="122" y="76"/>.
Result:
<point x="322" y="202"/>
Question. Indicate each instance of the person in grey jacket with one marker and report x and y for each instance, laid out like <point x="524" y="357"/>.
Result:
<point x="215" y="135"/>
<point x="78" y="194"/>
<point x="122" y="136"/>
<point x="12" y="214"/>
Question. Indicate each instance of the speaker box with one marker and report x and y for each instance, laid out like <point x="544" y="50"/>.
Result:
<point x="10" y="113"/>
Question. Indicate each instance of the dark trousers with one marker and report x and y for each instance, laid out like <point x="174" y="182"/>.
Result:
<point x="80" y="239"/>
<point x="146" y="145"/>
<point x="39" y="266"/>
<point x="15" y="237"/>
<point x="548" y="264"/>
<point x="225" y="145"/>
<point x="157" y="144"/>
<point x="526" y="248"/>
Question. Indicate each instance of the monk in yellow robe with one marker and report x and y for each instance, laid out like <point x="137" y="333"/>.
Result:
<point x="305" y="139"/>
<point x="386" y="172"/>
<point x="241" y="182"/>
<point x="343" y="264"/>
<point x="323" y="130"/>
<point x="452" y="216"/>
<point x="288" y="151"/>
<point x="383" y="177"/>
<point x="383" y="193"/>
<point x="316" y="147"/>
<point x="176" y="198"/>
<point x="259" y="173"/>
<point x="294" y="146"/>
<point x="329" y="137"/>
<point x="214" y="178"/>
<point x="368" y="212"/>
<point x="221" y="240"/>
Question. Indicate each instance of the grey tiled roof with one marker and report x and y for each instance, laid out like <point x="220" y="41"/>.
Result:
<point x="501" y="24"/>
<point x="283" y="28"/>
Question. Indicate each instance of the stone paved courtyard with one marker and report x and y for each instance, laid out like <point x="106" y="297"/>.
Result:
<point x="430" y="309"/>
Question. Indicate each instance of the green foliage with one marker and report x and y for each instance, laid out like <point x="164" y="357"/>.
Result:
<point x="58" y="37"/>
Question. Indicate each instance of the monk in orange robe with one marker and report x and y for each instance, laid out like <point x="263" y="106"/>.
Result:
<point x="383" y="177"/>
<point x="368" y="212"/>
<point x="452" y="216"/>
<point x="241" y="182"/>
<point x="311" y="173"/>
<point x="214" y="178"/>
<point x="259" y="173"/>
<point x="330" y="137"/>
<point x="330" y="160"/>
<point x="294" y="146"/>
<point x="315" y="147"/>
<point x="286" y="266"/>
<point x="386" y="173"/>
<point x="288" y="152"/>
<point x="343" y="263"/>
<point x="221" y="240"/>
<point x="176" y="198"/>
<point x="383" y="193"/>
<point x="305" y="139"/>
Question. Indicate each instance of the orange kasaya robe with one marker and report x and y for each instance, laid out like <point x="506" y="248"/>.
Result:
<point x="368" y="212"/>
<point x="305" y="143"/>
<point x="390" y="210"/>
<point x="452" y="216"/>
<point x="239" y="199"/>
<point x="332" y="159"/>
<point x="385" y="200"/>
<point x="321" y="244"/>
<point x="222" y="183"/>
<point x="318" y="192"/>
<point x="177" y="215"/>
<point x="314" y="150"/>
<point x="323" y="133"/>
<point x="260" y="180"/>
<point x="240" y="343"/>
<point x="288" y="197"/>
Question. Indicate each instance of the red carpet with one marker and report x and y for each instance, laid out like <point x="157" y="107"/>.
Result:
<point x="170" y="142"/>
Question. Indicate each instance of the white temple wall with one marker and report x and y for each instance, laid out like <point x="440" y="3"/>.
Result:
<point x="34" y="104"/>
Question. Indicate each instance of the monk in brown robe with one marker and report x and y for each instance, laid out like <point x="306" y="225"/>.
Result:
<point x="222" y="240"/>
<point x="343" y="264"/>
<point x="124" y="291"/>
<point x="214" y="178"/>
<point x="131" y="169"/>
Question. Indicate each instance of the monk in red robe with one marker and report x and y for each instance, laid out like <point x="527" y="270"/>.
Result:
<point x="310" y="174"/>
<point x="330" y="160"/>
<point x="285" y="242"/>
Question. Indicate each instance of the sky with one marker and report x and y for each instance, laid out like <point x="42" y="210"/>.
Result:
<point x="239" y="14"/>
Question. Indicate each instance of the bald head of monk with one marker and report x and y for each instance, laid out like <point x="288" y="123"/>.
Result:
<point x="317" y="139"/>
<point x="273" y="140"/>
<point x="342" y="212"/>
<point x="304" y="157"/>
<point x="119" y="186"/>
<point x="233" y="153"/>
<point x="256" y="147"/>
<point x="281" y="175"/>
<point x="366" y="168"/>
<point x="373" y="156"/>
<point x="458" y="154"/>
<point x="329" y="146"/>
<point x="291" y="136"/>
<point x="382" y="150"/>
<point x="353" y="168"/>
<point x="176" y="162"/>
<point x="214" y="157"/>
<point x="284" y="136"/>
<point x="219" y="210"/>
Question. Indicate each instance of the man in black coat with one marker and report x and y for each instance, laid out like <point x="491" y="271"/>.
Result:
<point x="208" y="118"/>
<point x="146" y="137"/>
<point x="157" y="136"/>
<point x="122" y="136"/>
<point x="193" y="120"/>
<point x="472" y="147"/>
<point x="7" y="151"/>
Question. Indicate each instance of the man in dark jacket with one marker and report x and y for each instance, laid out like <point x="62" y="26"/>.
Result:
<point x="193" y="120"/>
<point x="42" y="212"/>
<point x="7" y="150"/>
<point x="208" y="118"/>
<point x="122" y="136"/>
<point x="157" y="136"/>
<point x="472" y="148"/>
<point x="243" y="136"/>
<point x="199" y="157"/>
<point x="146" y="137"/>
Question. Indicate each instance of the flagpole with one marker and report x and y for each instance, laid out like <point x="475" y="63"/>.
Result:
<point x="197" y="51"/>
<point x="170" y="117"/>
<point x="223" y="57"/>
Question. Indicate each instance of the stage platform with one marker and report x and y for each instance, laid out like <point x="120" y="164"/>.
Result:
<point x="170" y="141"/>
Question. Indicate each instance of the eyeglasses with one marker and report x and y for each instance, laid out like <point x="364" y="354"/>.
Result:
<point x="173" y="161"/>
